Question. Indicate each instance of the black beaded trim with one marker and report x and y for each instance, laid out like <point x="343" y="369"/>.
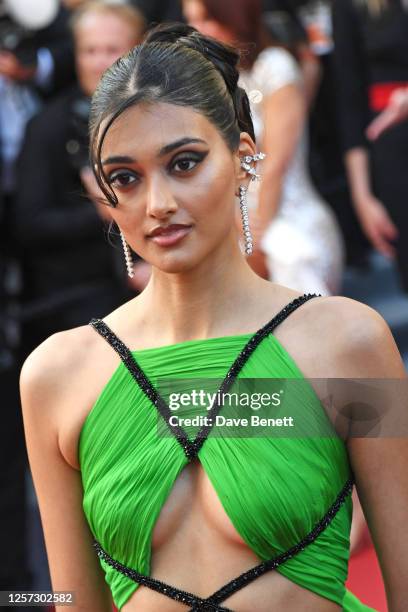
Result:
<point x="271" y="564"/>
<point x="157" y="585"/>
<point x="136" y="371"/>
<point x="211" y="602"/>
<point x="240" y="361"/>
<point x="192" y="447"/>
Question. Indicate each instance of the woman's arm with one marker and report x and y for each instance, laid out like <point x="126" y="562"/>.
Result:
<point x="311" y="72"/>
<point x="354" y="115"/>
<point x="284" y="116"/>
<point x="73" y="564"/>
<point x="380" y="464"/>
<point x="374" y="218"/>
<point x="284" y="109"/>
<point x="395" y="112"/>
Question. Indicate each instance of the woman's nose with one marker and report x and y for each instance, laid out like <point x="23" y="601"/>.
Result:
<point x="160" y="201"/>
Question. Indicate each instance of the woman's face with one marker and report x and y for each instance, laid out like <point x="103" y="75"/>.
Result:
<point x="169" y="165"/>
<point x="196" y="15"/>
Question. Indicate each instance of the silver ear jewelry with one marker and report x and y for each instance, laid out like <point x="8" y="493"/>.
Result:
<point x="244" y="214"/>
<point x="128" y="256"/>
<point x="246" y="164"/>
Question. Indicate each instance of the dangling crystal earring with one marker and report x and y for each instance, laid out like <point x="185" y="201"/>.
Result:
<point x="244" y="214"/>
<point x="246" y="165"/>
<point x="247" y="160"/>
<point x="128" y="256"/>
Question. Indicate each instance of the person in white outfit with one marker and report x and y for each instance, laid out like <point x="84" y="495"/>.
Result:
<point x="302" y="242"/>
<point x="293" y="227"/>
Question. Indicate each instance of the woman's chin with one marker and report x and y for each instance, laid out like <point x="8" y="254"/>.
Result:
<point x="175" y="263"/>
<point x="180" y="262"/>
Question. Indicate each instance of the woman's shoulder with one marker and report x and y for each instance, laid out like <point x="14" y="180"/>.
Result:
<point x="354" y="338"/>
<point x="275" y="54"/>
<point x="336" y="336"/>
<point x="67" y="352"/>
<point x="51" y="364"/>
<point x="71" y="365"/>
<point x="275" y="67"/>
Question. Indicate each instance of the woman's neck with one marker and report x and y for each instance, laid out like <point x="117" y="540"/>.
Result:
<point x="202" y="303"/>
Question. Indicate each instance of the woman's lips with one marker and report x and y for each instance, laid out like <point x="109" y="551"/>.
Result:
<point x="171" y="236"/>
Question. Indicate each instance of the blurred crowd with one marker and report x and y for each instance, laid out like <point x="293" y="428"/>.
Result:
<point x="328" y="86"/>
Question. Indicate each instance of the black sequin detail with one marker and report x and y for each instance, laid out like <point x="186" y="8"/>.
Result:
<point x="252" y="574"/>
<point x="210" y="604"/>
<point x="156" y="585"/>
<point x="192" y="447"/>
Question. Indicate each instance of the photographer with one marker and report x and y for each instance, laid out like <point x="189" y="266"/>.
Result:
<point x="36" y="60"/>
<point x="69" y="267"/>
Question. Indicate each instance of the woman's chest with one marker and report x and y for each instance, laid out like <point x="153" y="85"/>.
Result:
<point x="242" y="491"/>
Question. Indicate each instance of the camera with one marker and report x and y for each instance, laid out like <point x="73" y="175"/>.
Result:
<point x="78" y="140"/>
<point x="20" y="20"/>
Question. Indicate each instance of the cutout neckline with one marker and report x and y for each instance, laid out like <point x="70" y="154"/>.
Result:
<point x="192" y="447"/>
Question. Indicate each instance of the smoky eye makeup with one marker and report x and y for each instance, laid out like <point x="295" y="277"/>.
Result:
<point x="121" y="178"/>
<point x="182" y="163"/>
<point x="187" y="157"/>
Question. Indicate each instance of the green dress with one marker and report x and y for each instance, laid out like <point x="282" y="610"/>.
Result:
<point x="274" y="488"/>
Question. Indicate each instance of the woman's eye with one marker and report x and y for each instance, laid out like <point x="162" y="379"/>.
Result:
<point x="121" y="179"/>
<point x="185" y="164"/>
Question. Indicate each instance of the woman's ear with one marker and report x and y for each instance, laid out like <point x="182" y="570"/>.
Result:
<point x="246" y="147"/>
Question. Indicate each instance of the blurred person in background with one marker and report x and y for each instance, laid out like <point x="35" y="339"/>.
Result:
<point x="306" y="25"/>
<point x="282" y="19"/>
<point x="36" y="60"/>
<point x="35" y="63"/>
<point x="156" y="11"/>
<point x="371" y="50"/>
<point x="69" y="267"/>
<point x="297" y="240"/>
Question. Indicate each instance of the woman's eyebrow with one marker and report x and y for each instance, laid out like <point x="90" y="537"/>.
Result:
<point x="179" y="143"/>
<point x="118" y="159"/>
<point x="125" y="159"/>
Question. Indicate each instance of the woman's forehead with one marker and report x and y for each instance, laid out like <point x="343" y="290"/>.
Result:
<point x="152" y="126"/>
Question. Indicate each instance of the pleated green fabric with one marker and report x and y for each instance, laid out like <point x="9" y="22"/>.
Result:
<point x="274" y="489"/>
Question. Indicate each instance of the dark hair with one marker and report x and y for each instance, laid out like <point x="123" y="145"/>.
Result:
<point x="244" y="19"/>
<point x="178" y="65"/>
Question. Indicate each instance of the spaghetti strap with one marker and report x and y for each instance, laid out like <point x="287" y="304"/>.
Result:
<point x="192" y="447"/>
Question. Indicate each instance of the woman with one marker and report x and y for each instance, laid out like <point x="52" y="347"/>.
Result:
<point x="371" y="51"/>
<point x="174" y="518"/>
<point x="293" y="227"/>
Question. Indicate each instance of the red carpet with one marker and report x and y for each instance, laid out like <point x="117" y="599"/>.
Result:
<point x="365" y="579"/>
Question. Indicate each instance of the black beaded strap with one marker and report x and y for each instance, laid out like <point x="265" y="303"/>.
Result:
<point x="185" y="597"/>
<point x="192" y="447"/>
<point x="240" y="361"/>
<point x="252" y="574"/>
<point x="210" y="604"/>
<point x="144" y="383"/>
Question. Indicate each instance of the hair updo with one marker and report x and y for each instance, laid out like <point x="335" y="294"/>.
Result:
<point x="175" y="64"/>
